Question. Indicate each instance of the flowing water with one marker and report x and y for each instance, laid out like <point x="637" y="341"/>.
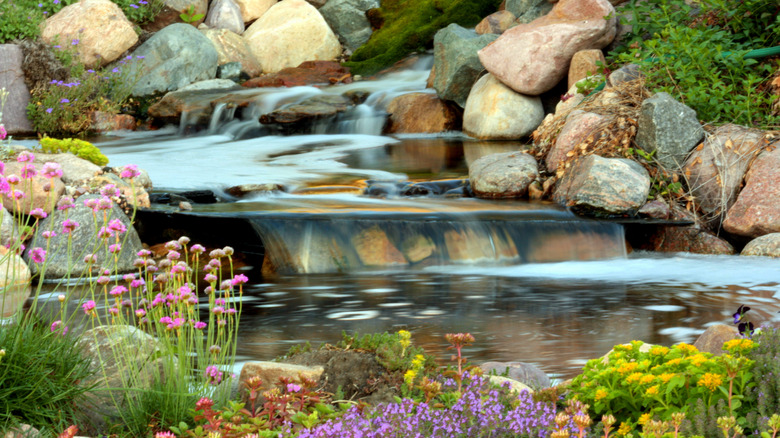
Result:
<point x="531" y="282"/>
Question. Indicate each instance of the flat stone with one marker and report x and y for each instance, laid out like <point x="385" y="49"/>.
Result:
<point x="523" y="372"/>
<point x="669" y="129"/>
<point x="497" y="23"/>
<point x="14" y="115"/>
<point x="307" y="73"/>
<point x="505" y="175"/>
<point x="767" y="245"/>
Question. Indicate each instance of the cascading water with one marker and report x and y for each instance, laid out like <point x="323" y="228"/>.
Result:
<point x="345" y="246"/>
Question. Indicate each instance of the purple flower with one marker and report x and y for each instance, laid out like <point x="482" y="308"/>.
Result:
<point x="115" y="70"/>
<point x="292" y="387"/>
<point x="75" y="42"/>
<point x="38" y="255"/>
<point x="133" y="6"/>
<point x="64" y="100"/>
<point x="49" y="110"/>
<point x="3" y="132"/>
<point x="213" y="374"/>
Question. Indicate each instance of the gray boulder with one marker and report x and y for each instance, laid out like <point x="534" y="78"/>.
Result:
<point x="521" y="371"/>
<point x="527" y="11"/>
<point x="347" y="19"/>
<point x="494" y="111"/>
<point x="14" y="115"/>
<point x="455" y="61"/>
<point x="603" y="186"/>
<point x="225" y="14"/>
<point x="176" y="56"/>
<point x="767" y="245"/>
<point x="83" y="241"/>
<point x="506" y="175"/>
<point x="668" y="128"/>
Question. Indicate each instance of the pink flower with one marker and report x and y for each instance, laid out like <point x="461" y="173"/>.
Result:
<point x="117" y="225"/>
<point x="65" y="203"/>
<point x="3" y="132"/>
<point x="213" y="374"/>
<point x="38" y="213"/>
<point x="210" y="278"/>
<point x="165" y="434"/>
<point x="90" y="258"/>
<point x="52" y="170"/>
<point x="110" y="190"/>
<point x="115" y="248"/>
<point x="25" y="157"/>
<point x="140" y="313"/>
<point x="130" y="171"/>
<point x="38" y="255"/>
<point x="105" y="233"/>
<point x="197" y="248"/>
<point x="118" y="290"/>
<point x="28" y="171"/>
<point x="113" y="311"/>
<point x="68" y="226"/>
<point x="88" y="307"/>
<point x="240" y="279"/>
<point x="48" y="234"/>
<point x="200" y="325"/>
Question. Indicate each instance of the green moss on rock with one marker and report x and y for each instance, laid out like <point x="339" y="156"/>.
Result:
<point x="80" y="148"/>
<point x="409" y="26"/>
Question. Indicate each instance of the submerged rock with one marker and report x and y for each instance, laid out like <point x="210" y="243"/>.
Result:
<point x="307" y="73"/>
<point x="317" y="107"/>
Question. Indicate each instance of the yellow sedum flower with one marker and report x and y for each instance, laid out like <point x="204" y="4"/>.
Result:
<point x="651" y="391"/>
<point x="644" y="418"/>
<point x="601" y="393"/>
<point x="674" y="362"/>
<point x="647" y="378"/>
<point x="409" y="377"/>
<point x="418" y="361"/>
<point x="624" y="429"/>
<point x="739" y="346"/>
<point x="659" y="350"/>
<point x="686" y="348"/>
<point x="698" y="359"/>
<point x="627" y="367"/>
<point x="633" y="378"/>
<point x="710" y="381"/>
<point x="666" y="377"/>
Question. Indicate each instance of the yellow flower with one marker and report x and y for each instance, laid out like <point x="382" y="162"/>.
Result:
<point x="647" y="378"/>
<point x="645" y="363"/>
<point x="698" y="359"/>
<point x="686" y="348"/>
<point x="673" y="362"/>
<point x="418" y="361"/>
<point x="666" y="377"/>
<point x="601" y="393"/>
<point x="409" y="377"/>
<point x="653" y="390"/>
<point x="627" y="367"/>
<point x="740" y="345"/>
<point x="659" y="350"/>
<point x="633" y="378"/>
<point x="710" y="381"/>
<point x="644" y="418"/>
<point x="624" y="429"/>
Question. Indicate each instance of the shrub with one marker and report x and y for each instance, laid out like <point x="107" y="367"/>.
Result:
<point x="80" y="148"/>
<point x="765" y="395"/>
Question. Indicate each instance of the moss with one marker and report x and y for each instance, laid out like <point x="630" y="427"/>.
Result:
<point x="409" y="26"/>
<point x="80" y="148"/>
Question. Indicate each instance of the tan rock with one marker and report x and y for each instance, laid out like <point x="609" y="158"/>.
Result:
<point x="494" y="111"/>
<point x="232" y="48"/>
<point x="579" y="124"/>
<point x="418" y="247"/>
<point x="23" y="431"/>
<point x="15" y="277"/>
<point x="573" y="245"/>
<point x="270" y="372"/>
<point x="38" y="191"/>
<point x="74" y="169"/>
<point x="497" y="22"/>
<point x="506" y="175"/>
<point x="585" y="63"/>
<point x="469" y="245"/>
<point x="99" y="29"/>
<point x="757" y="209"/>
<point x="712" y="340"/>
<point x="291" y="32"/>
<point x="532" y="58"/>
<point x="375" y="249"/>
<point x="107" y="122"/>
<point x="421" y="112"/>
<point x="251" y="10"/>
<point x="767" y="245"/>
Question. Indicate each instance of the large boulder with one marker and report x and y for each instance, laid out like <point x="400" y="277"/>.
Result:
<point x="74" y="169"/>
<point x="348" y="19"/>
<point x="767" y="245"/>
<point x="251" y="10"/>
<point x="289" y="33"/>
<point x="585" y="63"/>
<point x="532" y="58"/>
<point x="716" y="168"/>
<point x="174" y="57"/>
<point x="9" y="233"/>
<point x="14" y="115"/>
<point x="39" y="191"/>
<point x="225" y="14"/>
<point x="712" y="340"/>
<point x="456" y="63"/>
<point x="232" y="48"/>
<point x="269" y="374"/>
<point x="98" y="29"/>
<point x="603" y="186"/>
<point x="494" y="111"/>
<point x="669" y="129"/>
<point x="308" y="73"/>
<point x="497" y="23"/>
<point x="579" y="125"/>
<point x="421" y="112"/>
<point x="527" y="11"/>
<point x="506" y="175"/>
<point x="523" y="372"/>
<point x="757" y="209"/>
<point x="66" y="257"/>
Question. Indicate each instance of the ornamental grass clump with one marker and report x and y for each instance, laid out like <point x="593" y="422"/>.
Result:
<point x="637" y="384"/>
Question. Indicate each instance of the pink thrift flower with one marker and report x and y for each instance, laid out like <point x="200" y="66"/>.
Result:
<point x="115" y="248"/>
<point x="213" y="374"/>
<point x="117" y="225"/>
<point x="55" y="325"/>
<point x="130" y="171"/>
<point x="38" y="255"/>
<point x="105" y="233"/>
<point x="118" y="290"/>
<point x="52" y="170"/>
<point x="110" y="190"/>
<point x="28" y="171"/>
<point x="25" y="157"/>
<point x="66" y="202"/>
<point x="197" y="248"/>
<point x="38" y="213"/>
<point x="200" y="325"/>
<point x="68" y="225"/>
<point x="3" y="132"/>
<point x="48" y="234"/>
<point x="13" y="179"/>
<point x="240" y="279"/>
<point x="210" y="278"/>
<point x="88" y="307"/>
<point x="140" y="313"/>
<point x="90" y="258"/>
<point x="113" y="311"/>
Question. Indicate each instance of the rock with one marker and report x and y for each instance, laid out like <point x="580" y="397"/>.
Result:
<point x="494" y="112"/>
<point x="230" y="71"/>
<point x="692" y="238"/>
<point x="39" y="191"/>
<point x="199" y="7"/>
<point x="300" y="115"/>
<point x="603" y="186"/>
<point x="225" y="14"/>
<point x="712" y="340"/>
<point x="668" y="128"/>
<point x="505" y="175"/>
<point x="291" y="32"/>
<point x="497" y="23"/>
<point x="308" y="73"/>
<point x="348" y="20"/>
<point x="83" y="241"/>
<point x="456" y="62"/>
<point x="23" y="431"/>
<point x="767" y="245"/>
<point x="585" y="63"/>
<point x="14" y="115"/>
<point x="562" y="246"/>
<point x="74" y="169"/>
<point x="98" y="29"/>
<point x="626" y="73"/>
<point x="231" y="47"/>
<point x="522" y="372"/>
<point x="103" y="122"/>
<point x="527" y="11"/>
<point x="295" y="248"/>
<point x="136" y="367"/>
<point x="195" y="98"/>
<point x="15" y="277"/>
<point x="270" y="373"/>
<point x="716" y="168"/>
<point x="757" y="209"/>
<point x="655" y="210"/>
<point x="174" y="57"/>
<point x="568" y="101"/>
<point x="139" y="199"/>
<point x="418" y="248"/>
<point x="532" y="58"/>
<point x="243" y="190"/>
<point x="466" y="245"/>
<point x="374" y="248"/>
<point x="251" y="10"/>
<point x="8" y="231"/>
<point x="514" y="385"/>
<point x="421" y="112"/>
<point x="579" y="125"/>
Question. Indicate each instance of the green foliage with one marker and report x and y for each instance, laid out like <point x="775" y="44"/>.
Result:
<point x="699" y="58"/>
<point x="40" y="375"/>
<point x="189" y="15"/>
<point x="409" y="26"/>
<point x="80" y="148"/>
<point x="389" y="349"/>
<point x="766" y="393"/>
<point x="630" y="383"/>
